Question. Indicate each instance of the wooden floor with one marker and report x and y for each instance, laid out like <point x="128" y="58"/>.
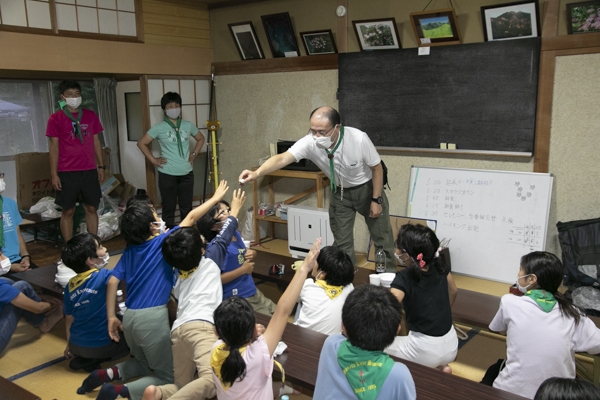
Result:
<point x="45" y="252"/>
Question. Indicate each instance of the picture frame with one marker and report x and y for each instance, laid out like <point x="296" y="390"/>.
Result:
<point x="435" y="27"/>
<point x="583" y="17"/>
<point x="244" y="37"/>
<point x="318" y="42"/>
<point x="280" y="35"/>
<point x="377" y="34"/>
<point x="518" y="20"/>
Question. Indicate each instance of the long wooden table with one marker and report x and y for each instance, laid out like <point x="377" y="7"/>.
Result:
<point x="42" y="277"/>
<point x="12" y="391"/>
<point x="301" y="359"/>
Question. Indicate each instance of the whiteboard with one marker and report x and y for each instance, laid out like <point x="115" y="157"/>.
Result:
<point x="492" y="217"/>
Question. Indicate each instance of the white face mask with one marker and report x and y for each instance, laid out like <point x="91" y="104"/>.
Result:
<point x="400" y="260"/>
<point x="162" y="226"/>
<point x="104" y="262"/>
<point x="5" y="265"/>
<point x="323" y="142"/>
<point x="173" y="113"/>
<point x="2" y="185"/>
<point x="522" y="289"/>
<point x="73" y="102"/>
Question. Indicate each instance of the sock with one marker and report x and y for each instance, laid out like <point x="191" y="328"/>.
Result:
<point x="111" y="392"/>
<point x="97" y="378"/>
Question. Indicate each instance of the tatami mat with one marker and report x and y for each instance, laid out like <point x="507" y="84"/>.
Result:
<point x="475" y="357"/>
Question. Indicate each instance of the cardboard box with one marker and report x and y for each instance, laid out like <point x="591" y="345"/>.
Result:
<point x="34" y="180"/>
<point x="109" y="183"/>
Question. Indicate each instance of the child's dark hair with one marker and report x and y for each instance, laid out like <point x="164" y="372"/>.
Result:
<point x="371" y="316"/>
<point x="140" y="196"/>
<point x="135" y="223"/>
<point x="337" y="265"/>
<point x="208" y="220"/>
<point x="68" y="84"/>
<point x="182" y="248"/>
<point x="235" y="324"/>
<point x="549" y="272"/>
<point x="170" y="97"/>
<point x="567" y="389"/>
<point x="420" y="240"/>
<point x="77" y="250"/>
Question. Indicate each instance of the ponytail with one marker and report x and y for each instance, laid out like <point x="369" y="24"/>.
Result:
<point x="567" y="308"/>
<point x="234" y="367"/>
<point x="422" y="245"/>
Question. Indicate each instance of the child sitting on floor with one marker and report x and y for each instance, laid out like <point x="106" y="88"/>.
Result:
<point x="199" y="292"/>
<point x="85" y="304"/>
<point x="355" y="366"/>
<point x="241" y="366"/>
<point x="149" y="280"/>
<point x="321" y="300"/>
<point x="427" y="290"/>
<point x="543" y="329"/>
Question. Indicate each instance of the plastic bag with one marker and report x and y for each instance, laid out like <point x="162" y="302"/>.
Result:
<point x="46" y="207"/>
<point x="248" y="229"/>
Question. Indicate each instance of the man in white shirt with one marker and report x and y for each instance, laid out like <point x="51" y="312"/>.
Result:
<point x="349" y="159"/>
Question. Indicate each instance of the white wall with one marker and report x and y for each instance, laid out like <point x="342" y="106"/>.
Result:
<point x="7" y="166"/>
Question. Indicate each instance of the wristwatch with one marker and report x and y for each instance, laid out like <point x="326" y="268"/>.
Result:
<point x="378" y="200"/>
<point x="194" y="153"/>
<point x="102" y="167"/>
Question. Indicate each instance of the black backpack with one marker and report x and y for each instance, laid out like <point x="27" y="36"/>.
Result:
<point x="580" y="245"/>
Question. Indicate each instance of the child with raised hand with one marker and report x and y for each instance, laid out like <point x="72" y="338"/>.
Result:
<point x="354" y="365"/>
<point x="242" y="367"/>
<point x="543" y="329"/>
<point x="427" y="290"/>
<point x="85" y="304"/>
<point x="321" y="300"/>
<point x="236" y="270"/>
<point x="199" y="292"/>
<point x="149" y="280"/>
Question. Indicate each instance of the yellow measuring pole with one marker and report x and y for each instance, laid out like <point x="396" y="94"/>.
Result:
<point x="213" y="127"/>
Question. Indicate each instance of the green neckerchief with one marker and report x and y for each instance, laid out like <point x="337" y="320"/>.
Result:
<point x="168" y="121"/>
<point x="1" y="223"/>
<point x="332" y="182"/>
<point x="544" y="299"/>
<point x="366" y="371"/>
<point x="76" y="120"/>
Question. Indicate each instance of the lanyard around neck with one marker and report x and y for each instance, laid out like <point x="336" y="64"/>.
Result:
<point x="332" y="181"/>
<point x="76" y="121"/>
<point x="172" y="125"/>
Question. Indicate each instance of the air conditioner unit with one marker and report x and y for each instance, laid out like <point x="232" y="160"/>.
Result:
<point x="305" y="225"/>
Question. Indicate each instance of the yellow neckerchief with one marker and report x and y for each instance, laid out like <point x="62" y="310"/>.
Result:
<point x="186" y="274"/>
<point x="217" y="358"/>
<point x="332" y="291"/>
<point x="78" y="279"/>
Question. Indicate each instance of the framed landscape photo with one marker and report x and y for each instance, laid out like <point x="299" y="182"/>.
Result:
<point x="377" y="34"/>
<point x="280" y="35"/>
<point x="318" y="42"/>
<point x="583" y="17"/>
<point x="246" y="41"/>
<point x="511" y="21"/>
<point x="435" y="27"/>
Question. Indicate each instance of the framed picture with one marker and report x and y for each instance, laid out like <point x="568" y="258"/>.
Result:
<point x="245" y="39"/>
<point x="435" y="27"/>
<point x="318" y="42"/>
<point x="583" y="17"/>
<point x="280" y="34"/>
<point x="511" y="21"/>
<point x="377" y="34"/>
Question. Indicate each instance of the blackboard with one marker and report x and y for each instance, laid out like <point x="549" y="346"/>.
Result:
<point x="492" y="217"/>
<point x="479" y="96"/>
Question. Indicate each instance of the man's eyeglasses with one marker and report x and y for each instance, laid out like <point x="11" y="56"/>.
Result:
<point x="217" y="217"/>
<point x="320" y="133"/>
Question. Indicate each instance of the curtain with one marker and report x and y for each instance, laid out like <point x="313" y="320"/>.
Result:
<point x="107" y="110"/>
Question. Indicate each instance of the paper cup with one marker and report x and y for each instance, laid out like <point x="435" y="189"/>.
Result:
<point x="247" y="244"/>
<point x="374" y="279"/>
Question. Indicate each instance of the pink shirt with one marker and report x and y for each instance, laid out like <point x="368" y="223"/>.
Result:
<point x="258" y="384"/>
<point x="72" y="154"/>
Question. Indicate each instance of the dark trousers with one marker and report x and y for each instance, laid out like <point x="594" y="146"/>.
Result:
<point x="174" y="190"/>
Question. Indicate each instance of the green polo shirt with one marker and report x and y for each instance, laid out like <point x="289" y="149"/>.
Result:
<point x="176" y="165"/>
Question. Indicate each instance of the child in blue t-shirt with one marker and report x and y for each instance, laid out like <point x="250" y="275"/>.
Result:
<point x="85" y="304"/>
<point x="149" y="280"/>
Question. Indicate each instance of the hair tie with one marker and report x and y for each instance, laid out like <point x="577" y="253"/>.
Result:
<point x="437" y="253"/>
<point x="420" y="259"/>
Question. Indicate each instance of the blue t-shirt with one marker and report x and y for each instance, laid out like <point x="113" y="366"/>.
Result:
<point x="148" y="277"/>
<point x="242" y="286"/>
<point x="11" y="219"/>
<point x="7" y="292"/>
<point x="87" y="304"/>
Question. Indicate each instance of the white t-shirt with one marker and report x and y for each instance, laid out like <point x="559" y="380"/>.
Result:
<point x="352" y="160"/>
<point x="540" y="345"/>
<point x="318" y="312"/>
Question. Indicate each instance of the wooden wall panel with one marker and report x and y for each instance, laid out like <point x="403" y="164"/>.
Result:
<point x="176" y="23"/>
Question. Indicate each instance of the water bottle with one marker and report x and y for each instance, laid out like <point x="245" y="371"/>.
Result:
<point x="119" y="296"/>
<point x="285" y="397"/>
<point x="380" y="260"/>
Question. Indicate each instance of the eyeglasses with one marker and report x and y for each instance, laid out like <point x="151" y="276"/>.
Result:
<point x="221" y="213"/>
<point x="320" y="133"/>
